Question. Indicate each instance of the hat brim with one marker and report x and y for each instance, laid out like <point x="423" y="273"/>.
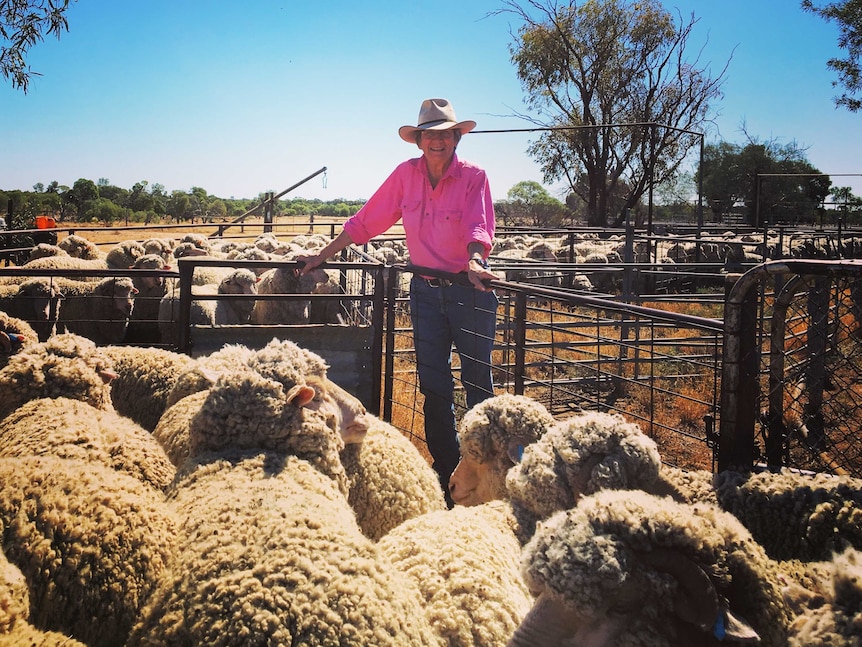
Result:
<point x="408" y="133"/>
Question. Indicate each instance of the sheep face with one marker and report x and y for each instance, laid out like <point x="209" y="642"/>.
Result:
<point x="492" y="436"/>
<point x="344" y="412"/>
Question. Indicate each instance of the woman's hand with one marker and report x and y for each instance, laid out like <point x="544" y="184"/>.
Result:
<point x="479" y="274"/>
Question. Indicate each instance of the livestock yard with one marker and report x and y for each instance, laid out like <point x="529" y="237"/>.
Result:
<point x="612" y="320"/>
<point x="196" y="464"/>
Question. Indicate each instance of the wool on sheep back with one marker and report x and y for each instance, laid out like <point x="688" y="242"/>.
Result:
<point x="66" y="365"/>
<point x="577" y="456"/>
<point x="466" y="563"/>
<point x="794" y="515"/>
<point x="390" y="481"/>
<point x="91" y="542"/>
<point x="145" y="378"/>
<point x="76" y="430"/>
<point x="269" y="554"/>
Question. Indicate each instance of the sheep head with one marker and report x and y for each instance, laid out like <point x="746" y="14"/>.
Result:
<point x="492" y="436"/>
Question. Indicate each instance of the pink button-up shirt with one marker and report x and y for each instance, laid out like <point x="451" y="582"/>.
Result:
<point x="439" y="223"/>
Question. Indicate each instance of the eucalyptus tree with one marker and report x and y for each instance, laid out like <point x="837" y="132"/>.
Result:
<point x="848" y="16"/>
<point x="590" y="68"/>
<point x="23" y="23"/>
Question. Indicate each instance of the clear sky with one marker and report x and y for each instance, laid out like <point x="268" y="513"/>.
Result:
<point x="245" y="97"/>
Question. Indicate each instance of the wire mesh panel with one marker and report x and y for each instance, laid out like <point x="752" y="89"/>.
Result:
<point x="811" y="371"/>
<point x="658" y="368"/>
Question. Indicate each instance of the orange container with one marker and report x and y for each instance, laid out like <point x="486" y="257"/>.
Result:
<point x="45" y="222"/>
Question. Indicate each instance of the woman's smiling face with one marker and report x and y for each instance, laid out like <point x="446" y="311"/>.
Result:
<point x="437" y="144"/>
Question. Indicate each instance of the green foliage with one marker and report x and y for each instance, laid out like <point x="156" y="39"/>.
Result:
<point x="848" y="15"/>
<point x="23" y="23"/>
<point x="528" y="203"/>
<point x="103" y="210"/>
<point x="586" y="65"/>
<point x="790" y="189"/>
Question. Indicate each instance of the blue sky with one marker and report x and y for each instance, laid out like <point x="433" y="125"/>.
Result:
<point x="245" y="97"/>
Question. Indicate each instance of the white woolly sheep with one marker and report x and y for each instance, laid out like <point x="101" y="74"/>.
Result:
<point x="269" y="553"/>
<point x="66" y="365"/>
<point x="144" y="323"/>
<point x="90" y="541"/>
<point x="390" y="480"/>
<point x="67" y="263"/>
<point x="210" y="312"/>
<point x="99" y="311"/>
<point x="36" y="301"/>
<point x="629" y="568"/>
<point x="162" y="247"/>
<point x="145" y="378"/>
<point x="281" y="558"/>
<point x="284" y="280"/>
<point x="465" y="562"/>
<point x="492" y="436"/>
<point x="794" y="515"/>
<point x="15" y="628"/>
<point x="80" y="247"/>
<point x="123" y="255"/>
<point x="45" y="250"/>
<point x="577" y="456"/>
<point x="73" y="429"/>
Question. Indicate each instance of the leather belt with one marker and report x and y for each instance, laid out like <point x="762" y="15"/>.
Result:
<point x="437" y="283"/>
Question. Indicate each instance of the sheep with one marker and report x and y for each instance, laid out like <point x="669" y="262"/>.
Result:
<point x="211" y="312"/>
<point x="465" y="562"/>
<point x="577" y="456"/>
<point x="390" y="481"/>
<point x="123" y="255"/>
<point x="36" y="301"/>
<point x="66" y="365"/>
<point x="492" y="436"/>
<point x="162" y="247"/>
<point x="15" y="628"/>
<point x="80" y="247"/>
<point x="144" y="323"/>
<point x="145" y="378"/>
<point x="90" y="541"/>
<point x="794" y="515"/>
<point x="44" y="250"/>
<point x="278" y="358"/>
<point x="280" y="560"/>
<point x="66" y="263"/>
<point x="284" y="280"/>
<point x="99" y="311"/>
<point x="15" y="335"/>
<point x="73" y="429"/>
<point x="630" y="568"/>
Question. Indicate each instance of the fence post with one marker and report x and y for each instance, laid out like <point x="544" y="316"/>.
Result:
<point x="267" y="212"/>
<point x="739" y="374"/>
<point x="520" y="340"/>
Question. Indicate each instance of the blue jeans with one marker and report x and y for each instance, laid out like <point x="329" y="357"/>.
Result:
<point x="443" y="316"/>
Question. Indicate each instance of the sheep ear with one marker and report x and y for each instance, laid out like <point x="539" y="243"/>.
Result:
<point x="515" y="450"/>
<point x="300" y="395"/>
<point x="107" y="375"/>
<point x="696" y="600"/>
<point x="736" y="628"/>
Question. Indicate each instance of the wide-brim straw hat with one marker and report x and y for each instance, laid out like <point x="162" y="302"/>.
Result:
<point x="435" y="114"/>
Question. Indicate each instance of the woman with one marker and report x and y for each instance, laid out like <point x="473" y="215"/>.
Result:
<point x="445" y="206"/>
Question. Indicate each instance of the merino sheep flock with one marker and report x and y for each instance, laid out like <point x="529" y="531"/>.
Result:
<point x="244" y="498"/>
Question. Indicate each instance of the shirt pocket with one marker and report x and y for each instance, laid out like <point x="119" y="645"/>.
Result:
<point x="411" y="212"/>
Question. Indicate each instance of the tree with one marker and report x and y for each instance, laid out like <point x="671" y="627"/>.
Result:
<point x="848" y="15"/>
<point x="529" y="203"/>
<point x="770" y="181"/>
<point x="23" y="23"/>
<point x="82" y="192"/>
<point x="588" y="68"/>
